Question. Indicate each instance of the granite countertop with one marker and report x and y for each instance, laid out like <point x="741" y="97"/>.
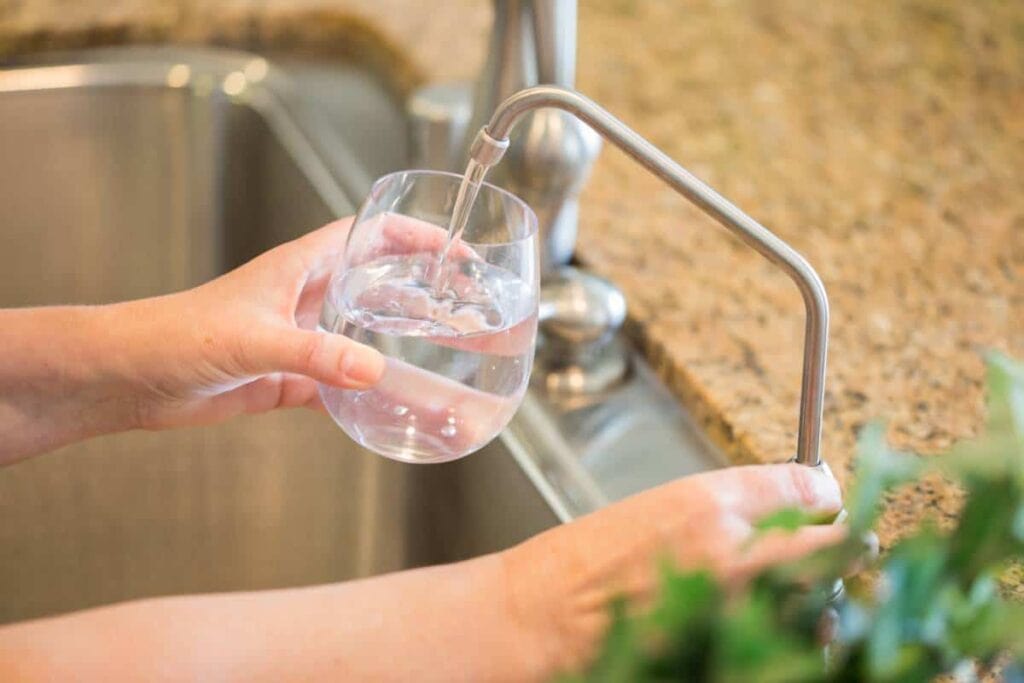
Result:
<point x="883" y="139"/>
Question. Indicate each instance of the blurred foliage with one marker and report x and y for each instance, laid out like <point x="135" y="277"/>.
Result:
<point x="934" y="608"/>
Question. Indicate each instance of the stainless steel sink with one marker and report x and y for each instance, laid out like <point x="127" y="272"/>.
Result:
<point x="128" y="173"/>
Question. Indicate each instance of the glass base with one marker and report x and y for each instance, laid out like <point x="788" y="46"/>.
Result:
<point x="405" y="445"/>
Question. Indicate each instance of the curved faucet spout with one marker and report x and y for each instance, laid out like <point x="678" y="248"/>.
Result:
<point x="489" y="146"/>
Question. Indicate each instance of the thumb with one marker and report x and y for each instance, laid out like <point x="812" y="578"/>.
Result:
<point x="329" y="358"/>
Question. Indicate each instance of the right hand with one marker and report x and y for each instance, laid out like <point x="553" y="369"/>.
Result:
<point x="559" y="583"/>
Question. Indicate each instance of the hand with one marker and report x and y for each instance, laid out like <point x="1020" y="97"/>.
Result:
<point x="242" y="343"/>
<point x="249" y="343"/>
<point x="245" y="342"/>
<point x="559" y="583"/>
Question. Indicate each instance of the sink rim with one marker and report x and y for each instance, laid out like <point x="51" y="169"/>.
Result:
<point x="330" y="166"/>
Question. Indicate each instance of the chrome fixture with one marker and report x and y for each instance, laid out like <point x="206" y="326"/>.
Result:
<point x="493" y="139"/>
<point x="577" y="353"/>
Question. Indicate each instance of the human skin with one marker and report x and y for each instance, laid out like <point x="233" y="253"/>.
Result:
<point x="244" y="343"/>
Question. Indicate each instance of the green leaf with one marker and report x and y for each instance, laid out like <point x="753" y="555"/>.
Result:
<point x="687" y="616"/>
<point x="985" y="626"/>
<point x="986" y="536"/>
<point x="1005" y="398"/>
<point x="787" y="519"/>
<point x="910" y="614"/>
<point x="879" y="469"/>
<point x="755" y="644"/>
<point x="621" y="658"/>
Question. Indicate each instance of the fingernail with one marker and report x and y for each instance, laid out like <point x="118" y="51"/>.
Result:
<point x="362" y="366"/>
<point x="823" y="465"/>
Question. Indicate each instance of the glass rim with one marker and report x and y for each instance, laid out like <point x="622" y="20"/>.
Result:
<point x="532" y="227"/>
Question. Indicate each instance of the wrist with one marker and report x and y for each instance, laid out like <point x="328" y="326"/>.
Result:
<point x="556" y="605"/>
<point x="61" y="381"/>
<point x="75" y="372"/>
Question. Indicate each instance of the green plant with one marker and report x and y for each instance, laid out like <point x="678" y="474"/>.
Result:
<point x="932" y="607"/>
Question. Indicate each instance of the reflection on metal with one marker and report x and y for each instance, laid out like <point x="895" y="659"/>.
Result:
<point x="178" y="76"/>
<point x="256" y="70"/>
<point x="532" y="42"/>
<point x="234" y="83"/>
<point x="579" y="354"/>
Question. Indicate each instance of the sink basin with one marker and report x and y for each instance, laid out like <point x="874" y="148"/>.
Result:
<point x="132" y="172"/>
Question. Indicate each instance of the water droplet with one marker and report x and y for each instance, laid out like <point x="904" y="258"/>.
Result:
<point x="448" y="431"/>
<point x="401" y="410"/>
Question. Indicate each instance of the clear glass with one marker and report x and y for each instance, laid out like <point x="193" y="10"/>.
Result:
<point x="458" y="337"/>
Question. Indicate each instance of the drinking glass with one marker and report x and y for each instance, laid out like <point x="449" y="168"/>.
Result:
<point x="457" y="333"/>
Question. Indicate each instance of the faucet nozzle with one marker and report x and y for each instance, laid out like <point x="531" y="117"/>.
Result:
<point x="486" y="150"/>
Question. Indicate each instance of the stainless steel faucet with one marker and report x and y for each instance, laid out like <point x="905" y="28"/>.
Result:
<point x="491" y="141"/>
<point x="533" y="42"/>
<point x="527" y="82"/>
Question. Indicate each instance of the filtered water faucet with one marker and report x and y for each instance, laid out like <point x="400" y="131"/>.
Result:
<point x="491" y="141"/>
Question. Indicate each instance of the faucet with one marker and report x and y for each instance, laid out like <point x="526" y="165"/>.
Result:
<point x="533" y="42"/>
<point x="527" y="82"/>
<point x="491" y="141"/>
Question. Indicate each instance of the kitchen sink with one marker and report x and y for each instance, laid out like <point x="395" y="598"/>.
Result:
<point x="128" y="173"/>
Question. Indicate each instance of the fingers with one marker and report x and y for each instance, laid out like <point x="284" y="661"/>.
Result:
<point x="465" y="416"/>
<point x="408" y="235"/>
<point x="323" y="246"/>
<point x="329" y="358"/>
<point x="330" y="236"/>
<point x="757" y="490"/>
<point x="397" y="235"/>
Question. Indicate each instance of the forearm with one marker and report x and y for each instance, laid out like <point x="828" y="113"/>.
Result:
<point x="445" y="623"/>
<point x="68" y="373"/>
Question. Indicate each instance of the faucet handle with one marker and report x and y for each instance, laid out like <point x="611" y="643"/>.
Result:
<point x="579" y="315"/>
<point x="579" y="308"/>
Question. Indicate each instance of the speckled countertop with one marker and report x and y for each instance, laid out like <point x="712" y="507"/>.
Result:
<point x="884" y="139"/>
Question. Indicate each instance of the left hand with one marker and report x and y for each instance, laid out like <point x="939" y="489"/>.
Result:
<point x="246" y="342"/>
<point x="243" y="343"/>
